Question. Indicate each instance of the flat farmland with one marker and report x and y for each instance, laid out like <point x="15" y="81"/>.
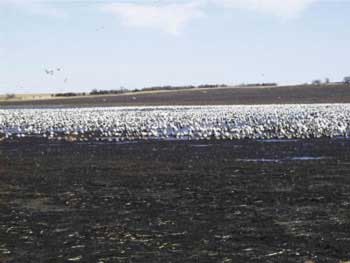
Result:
<point x="186" y="201"/>
<point x="218" y="96"/>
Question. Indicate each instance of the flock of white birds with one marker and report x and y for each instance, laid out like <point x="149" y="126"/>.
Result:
<point x="178" y="122"/>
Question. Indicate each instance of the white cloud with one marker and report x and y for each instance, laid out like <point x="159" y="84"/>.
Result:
<point x="170" y="18"/>
<point x="40" y="8"/>
<point x="284" y="9"/>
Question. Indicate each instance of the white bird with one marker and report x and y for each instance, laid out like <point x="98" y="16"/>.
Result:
<point x="205" y="122"/>
<point x="49" y="72"/>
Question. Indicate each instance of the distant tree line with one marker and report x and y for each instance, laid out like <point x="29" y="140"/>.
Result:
<point x="205" y="86"/>
<point x="69" y="94"/>
<point x="93" y="92"/>
<point x="260" y="84"/>
<point x="10" y="96"/>
<point x="123" y="90"/>
<point x="212" y="86"/>
<point x="155" y="88"/>
<point x="106" y="92"/>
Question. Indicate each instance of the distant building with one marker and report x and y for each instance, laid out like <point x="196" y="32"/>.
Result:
<point x="317" y="82"/>
<point x="347" y="80"/>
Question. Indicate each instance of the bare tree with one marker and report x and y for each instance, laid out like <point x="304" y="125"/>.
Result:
<point x="10" y="96"/>
<point x="347" y="80"/>
<point x="316" y="82"/>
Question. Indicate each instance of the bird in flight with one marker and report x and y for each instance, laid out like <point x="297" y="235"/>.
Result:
<point x="49" y="72"/>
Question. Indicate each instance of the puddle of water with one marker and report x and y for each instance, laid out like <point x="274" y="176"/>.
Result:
<point x="259" y="160"/>
<point x="96" y="143"/>
<point x="297" y="158"/>
<point x="168" y="139"/>
<point x="277" y="140"/>
<point x="127" y="142"/>
<point x="200" y="145"/>
<point x="309" y="158"/>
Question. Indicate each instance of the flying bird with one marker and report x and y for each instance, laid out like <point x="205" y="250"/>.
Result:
<point x="49" y="72"/>
<point x="100" y="28"/>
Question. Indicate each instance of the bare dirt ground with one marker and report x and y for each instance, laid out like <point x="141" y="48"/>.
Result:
<point x="218" y="96"/>
<point x="212" y="201"/>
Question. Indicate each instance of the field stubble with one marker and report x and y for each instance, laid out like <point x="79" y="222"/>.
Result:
<point x="216" y="201"/>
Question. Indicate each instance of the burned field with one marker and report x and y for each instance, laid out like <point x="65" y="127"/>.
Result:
<point x="178" y="201"/>
<point x="308" y="94"/>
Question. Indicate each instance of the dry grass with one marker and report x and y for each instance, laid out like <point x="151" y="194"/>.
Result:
<point x="26" y="97"/>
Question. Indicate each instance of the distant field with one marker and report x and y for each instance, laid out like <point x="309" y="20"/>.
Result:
<point x="24" y="97"/>
<point x="215" y="96"/>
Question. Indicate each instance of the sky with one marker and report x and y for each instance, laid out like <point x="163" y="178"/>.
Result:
<point x="51" y="46"/>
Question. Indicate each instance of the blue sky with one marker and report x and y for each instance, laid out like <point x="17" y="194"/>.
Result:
<point x="106" y="44"/>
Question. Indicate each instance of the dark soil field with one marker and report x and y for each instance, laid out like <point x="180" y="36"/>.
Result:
<point x="218" y="96"/>
<point x="213" y="201"/>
